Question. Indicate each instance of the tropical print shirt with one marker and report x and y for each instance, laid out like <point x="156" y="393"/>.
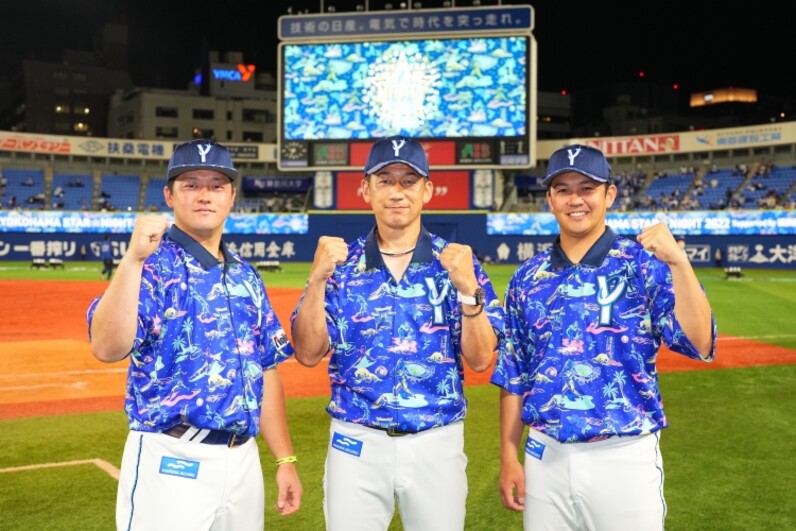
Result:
<point x="582" y="340"/>
<point x="396" y="360"/>
<point x="206" y="332"/>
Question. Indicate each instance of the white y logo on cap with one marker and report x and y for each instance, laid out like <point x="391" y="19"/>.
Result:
<point x="203" y="149"/>
<point x="572" y="156"/>
<point x="397" y="145"/>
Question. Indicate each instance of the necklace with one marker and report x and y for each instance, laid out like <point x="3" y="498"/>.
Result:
<point x="397" y="253"/>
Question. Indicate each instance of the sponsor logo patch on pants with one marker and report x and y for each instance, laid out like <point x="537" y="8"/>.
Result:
<point x="171" y="466"/>
<point x="346" y="444"/>
<point x="534" y="448"/>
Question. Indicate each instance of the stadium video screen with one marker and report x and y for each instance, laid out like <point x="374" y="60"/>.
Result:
<point x="432" y="89"/>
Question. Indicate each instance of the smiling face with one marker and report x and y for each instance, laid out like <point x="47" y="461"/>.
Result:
<point x="396" y="194"/>
<point x="202" y="200"/>
<point x="579" y="205"/>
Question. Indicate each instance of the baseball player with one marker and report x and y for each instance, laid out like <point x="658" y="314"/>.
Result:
<point x="203" y="342"/>
<point x="400" y="309"/>
<point x="584" y="321"/>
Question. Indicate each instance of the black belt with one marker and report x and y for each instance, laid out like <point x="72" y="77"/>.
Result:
<point x="213" y="436"/>
<point x="392" y="432"/>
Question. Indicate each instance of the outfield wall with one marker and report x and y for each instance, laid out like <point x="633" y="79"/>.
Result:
<point x="754" y="239"/>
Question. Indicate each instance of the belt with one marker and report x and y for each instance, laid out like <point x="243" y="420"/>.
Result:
<point x="207" y="436"/>
<point x="392" y="432"/>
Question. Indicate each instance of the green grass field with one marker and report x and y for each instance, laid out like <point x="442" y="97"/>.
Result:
<point x="728" y="453"/>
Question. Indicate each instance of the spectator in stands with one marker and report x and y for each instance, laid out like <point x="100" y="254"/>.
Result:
<point x="28" y="182"/>
<point x="741" y="169"/>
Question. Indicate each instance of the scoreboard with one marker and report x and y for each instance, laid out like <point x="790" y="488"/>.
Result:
<point x="462" y="81"/>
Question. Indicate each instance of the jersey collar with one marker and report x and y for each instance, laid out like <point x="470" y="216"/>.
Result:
<point x="422" y="251"/>
<point x="594" y="256"/>
<point x="195" y="249"/>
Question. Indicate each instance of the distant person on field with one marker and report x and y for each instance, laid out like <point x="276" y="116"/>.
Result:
<point x="584" y="322"/>
<point x="106" y="255"/>
<point x="203" y="342"/>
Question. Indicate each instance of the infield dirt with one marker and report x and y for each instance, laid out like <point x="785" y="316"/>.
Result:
<point x="46" y="367"/>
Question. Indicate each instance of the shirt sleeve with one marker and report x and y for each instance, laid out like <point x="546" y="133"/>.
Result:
<point x="510" y="370"/>
<point x="660" y="288"/>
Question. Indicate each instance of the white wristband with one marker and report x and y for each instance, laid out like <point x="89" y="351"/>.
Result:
<point x="466" y="299"/>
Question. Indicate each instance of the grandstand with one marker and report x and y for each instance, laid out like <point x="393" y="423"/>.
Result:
<point x="24" y="188"/>
<point x="666" y="189"/>
<point x="69" y="189"/>
<point x="753" y="168"/>
<point x="76" y="191"/>
<point x="753" y="186"/>
<point x="153" y="197"/>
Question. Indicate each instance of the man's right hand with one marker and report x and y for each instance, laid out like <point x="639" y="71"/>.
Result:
<point x="331" y="252"/>
<point x="147" y="232"/>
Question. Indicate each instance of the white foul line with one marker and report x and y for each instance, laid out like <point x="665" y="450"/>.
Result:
<point x="111" y="470"/>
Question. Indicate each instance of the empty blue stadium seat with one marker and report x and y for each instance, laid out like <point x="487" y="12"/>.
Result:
<point x="124" y="191"/>
<point x="153" y="199"/>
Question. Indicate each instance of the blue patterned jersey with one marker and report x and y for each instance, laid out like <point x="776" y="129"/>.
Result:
<point x="582" y="340"/>
<point x="206" y="331"/>
<point x="396" y="360"/>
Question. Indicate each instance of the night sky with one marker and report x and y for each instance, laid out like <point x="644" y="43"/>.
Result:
<point x="699" y="45"/>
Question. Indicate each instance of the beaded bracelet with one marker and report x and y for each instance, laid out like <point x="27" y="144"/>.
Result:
<point x="468" y="315"/>
<point x="286" y="459"/>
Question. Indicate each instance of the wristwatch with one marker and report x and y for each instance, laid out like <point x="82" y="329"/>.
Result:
<point x="476" y="300"/>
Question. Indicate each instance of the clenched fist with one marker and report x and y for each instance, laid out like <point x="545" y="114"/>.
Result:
<point x="659" y="241"/>
<point x="331" y="252"/>
<point x="147" y="233"/>
<point x="457" y="259"/>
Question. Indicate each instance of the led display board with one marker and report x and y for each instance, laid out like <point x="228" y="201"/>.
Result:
<point x="472" y="95"/>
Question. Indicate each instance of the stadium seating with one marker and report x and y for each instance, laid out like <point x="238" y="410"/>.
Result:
<point x="666" y="191"/>
<point x="727" y="182"/>
<point x="763" y="186"/>
<point x="153" y="198"/>
<point x="26" y="187"/>
<point x="120" y="192"/>
<point x="77" y="190"/>
<point x="766" y="190"/>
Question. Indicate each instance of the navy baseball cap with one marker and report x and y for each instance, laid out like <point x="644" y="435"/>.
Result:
<point x="397" y="149"/>
<point x="586" y="160"/>
<point x="201" y="154"/>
